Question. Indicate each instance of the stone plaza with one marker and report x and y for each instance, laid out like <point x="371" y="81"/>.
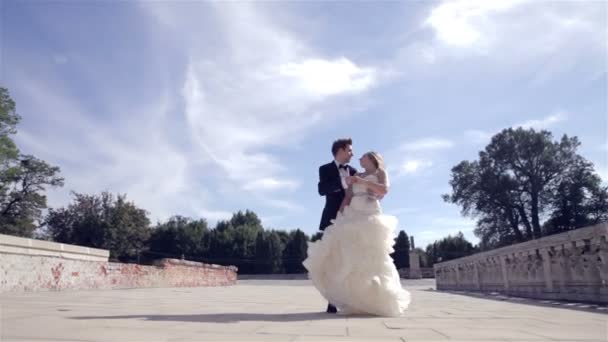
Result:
<point x="286" y="310"/>
<point x="539" y="290"/>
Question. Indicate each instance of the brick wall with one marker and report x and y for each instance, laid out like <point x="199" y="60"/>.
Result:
<point x="42" y="273"/>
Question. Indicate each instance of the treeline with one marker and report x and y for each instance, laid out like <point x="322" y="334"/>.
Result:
<point x="111" y="222"/>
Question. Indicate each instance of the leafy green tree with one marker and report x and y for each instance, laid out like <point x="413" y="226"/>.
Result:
<point x="23" y="178"/>
<point x="448" y="248"/>
<point x="316" y="236"/>
<point x="8" y="127"/>
<point x="401" y="255"/>
<point x="269" y="251"/>
<point x="102" y="221"/>
<point x="180" y="236"/>
<point x="521" y="177"/>
<point x="295" y="252"/>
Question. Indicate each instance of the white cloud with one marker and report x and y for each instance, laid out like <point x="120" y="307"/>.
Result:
<point x="428" y="144"/>
<point x="439" y="227"/>
<point x="413" y="157"/>
<point x="284" y="204"/>
<point x="214" y="215"/>
<point x="262" y="87"/>
<point x="271" y="184"/>
<point x="271" y="221"/>
<point x="545" y="122"/>
<point x="602" y="171"/>
<point x="325" y="77"/>
<point x="539" y="39"/>
<point x="96" y="157"/>
<point x="478" y="136"/>
<point x="258" y="87"/>
<point x="465" y="22"/>
<point x="401" y="211"/>
<point x="413" y="166"/>
<point x="463" y="224"/>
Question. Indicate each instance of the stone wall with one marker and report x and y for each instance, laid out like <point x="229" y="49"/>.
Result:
<point x="568" y="266"/>
<point x="424" y="272"/>
<point x="40" y="270"/>
<point x="17" y="245"/>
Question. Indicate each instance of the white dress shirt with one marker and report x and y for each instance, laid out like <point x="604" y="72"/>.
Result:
<point x="343" y="174"/>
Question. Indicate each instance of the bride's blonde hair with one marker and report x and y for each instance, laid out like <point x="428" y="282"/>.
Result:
<point x="377" y="159"/>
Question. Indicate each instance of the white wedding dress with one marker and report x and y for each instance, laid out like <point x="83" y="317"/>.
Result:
<point x="351" y="266"/>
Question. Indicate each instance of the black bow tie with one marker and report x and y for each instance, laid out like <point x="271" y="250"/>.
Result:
<point x="343" y="166"/>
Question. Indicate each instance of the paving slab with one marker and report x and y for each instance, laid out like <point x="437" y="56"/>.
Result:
<point x="286" y="310"/>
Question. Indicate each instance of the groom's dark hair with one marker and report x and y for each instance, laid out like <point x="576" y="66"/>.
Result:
<point x="340" y="143"/>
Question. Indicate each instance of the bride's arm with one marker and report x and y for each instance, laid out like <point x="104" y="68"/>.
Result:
<point x="347" y="198"/>
<point x="379" y="188"/>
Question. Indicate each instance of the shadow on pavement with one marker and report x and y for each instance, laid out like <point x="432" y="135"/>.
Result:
<point x="226" y="317"/>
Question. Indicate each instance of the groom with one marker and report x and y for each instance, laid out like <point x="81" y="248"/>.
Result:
<point x="332" y="184"/>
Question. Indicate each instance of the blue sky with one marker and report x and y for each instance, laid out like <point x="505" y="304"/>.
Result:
<point x="205" y="108"/>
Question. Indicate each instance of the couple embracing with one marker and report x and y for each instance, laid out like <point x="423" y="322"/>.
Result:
<point x="351" y="265"/>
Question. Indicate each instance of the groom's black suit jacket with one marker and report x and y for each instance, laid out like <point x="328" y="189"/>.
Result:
<point x="330" y="186"/>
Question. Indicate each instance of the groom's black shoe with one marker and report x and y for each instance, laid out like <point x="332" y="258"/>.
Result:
<point x="331" y="309"/>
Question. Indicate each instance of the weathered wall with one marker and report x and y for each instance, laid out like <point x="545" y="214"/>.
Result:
<point x="18" y="245"/>
<point x="423" y="272"/>
<point x="568" y="266"/>
<point x="52" y="268"/>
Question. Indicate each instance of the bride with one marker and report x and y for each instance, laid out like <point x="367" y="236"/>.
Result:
<point x="351" y="265"/>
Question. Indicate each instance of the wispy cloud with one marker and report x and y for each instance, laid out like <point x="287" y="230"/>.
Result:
<point x="96" y="157"/>
<point x="465" y="22"/>
<point x="427" y="144"/>
<point x="260" y="92"/>
<point x="545" y="122"/>
<point x="285" y="205"/>
<point x="400" y="211"/>
<point x="413" y="166"/>
<point x="486" y="25"/>
<point x="602" y="171"/>
<point x="573" y="37"/>
<point x="329" y="77"/>
<point x="262" y="87"/>
<point x="214" y="215"/>
<point x="197" y="107"/>
<point x="440" y="227"/>
<point x="270" y="184"/>
<point x="477" y="136"/>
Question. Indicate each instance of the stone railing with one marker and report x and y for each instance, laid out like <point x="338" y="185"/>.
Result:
<point x="18" y="245"/>
<point x="424" y="272"/>
<point x="36" y="265"/>
<point x="568" y="266"/>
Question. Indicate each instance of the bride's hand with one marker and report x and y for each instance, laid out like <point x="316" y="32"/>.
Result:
<point x="353" y="180"/>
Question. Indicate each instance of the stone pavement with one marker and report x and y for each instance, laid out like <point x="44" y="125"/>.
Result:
<point x="288" y="310"/>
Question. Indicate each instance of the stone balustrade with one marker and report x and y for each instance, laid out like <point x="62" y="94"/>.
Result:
<point x="35" y="265"/>
<point x="17" y="245"/>
<point x="424" y="272"/>
<point x="568" y="266"/>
